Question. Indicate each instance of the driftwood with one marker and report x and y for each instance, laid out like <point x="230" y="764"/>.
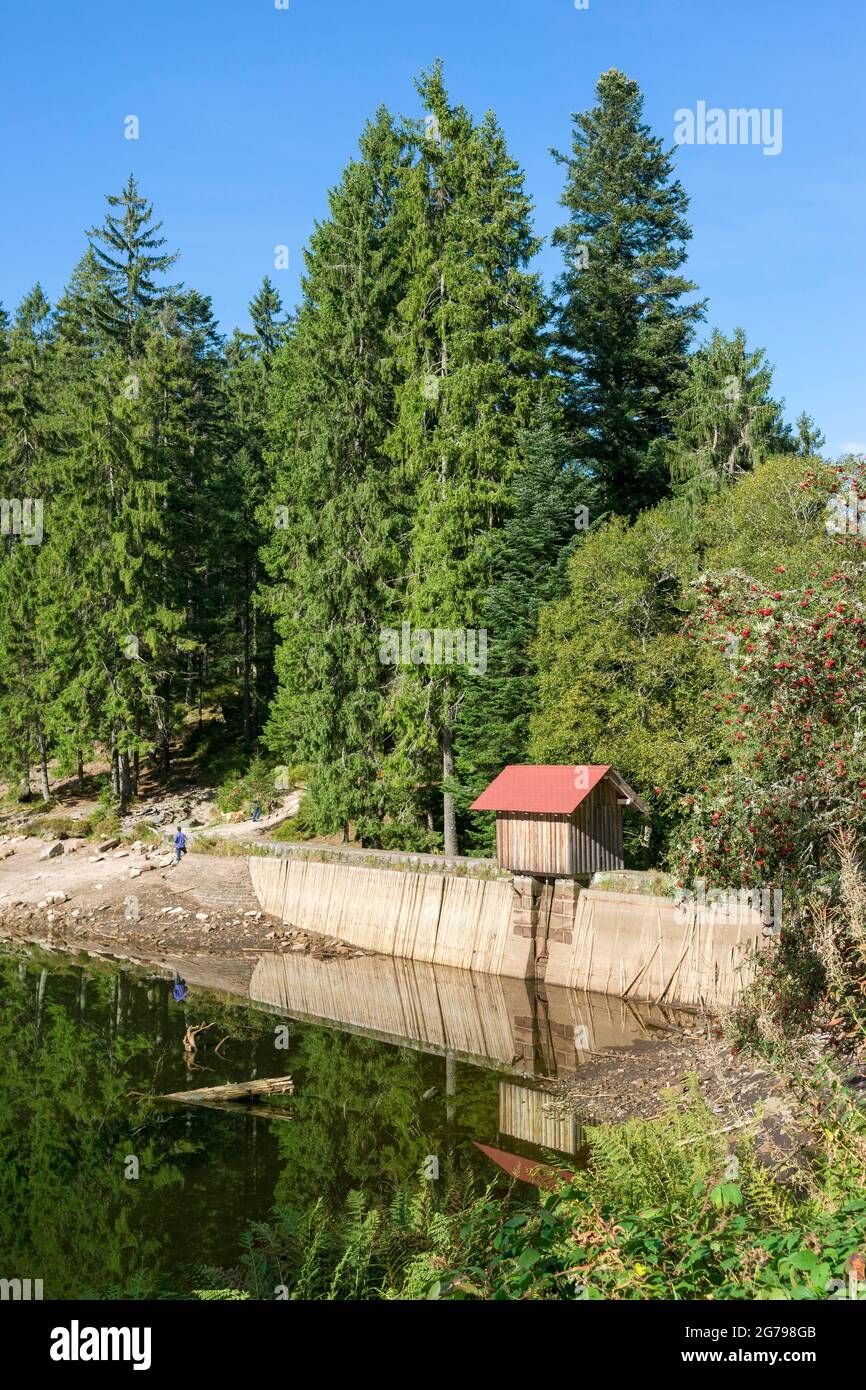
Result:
<point x="237" y="1091"/>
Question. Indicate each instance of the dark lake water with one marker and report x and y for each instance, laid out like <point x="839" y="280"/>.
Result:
<point x="106" y="1194"/>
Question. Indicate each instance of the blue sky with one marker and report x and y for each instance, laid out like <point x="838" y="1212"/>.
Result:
<point x="248" y="114"/>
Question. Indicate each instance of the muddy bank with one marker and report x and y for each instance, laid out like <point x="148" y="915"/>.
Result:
<point x="129" y="902"/>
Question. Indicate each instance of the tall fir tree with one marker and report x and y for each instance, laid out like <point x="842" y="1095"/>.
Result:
<point x="27" y="441"/>
<point x="471" y="374"/>
<point x="127" y="247"/>
<point x="554" y="504"/>
<point x="332" y="554"/>
<point x="623" y="325"/>
<point x="245" y="489"/>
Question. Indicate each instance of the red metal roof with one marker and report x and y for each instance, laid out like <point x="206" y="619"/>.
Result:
<point x="552" y="789"/>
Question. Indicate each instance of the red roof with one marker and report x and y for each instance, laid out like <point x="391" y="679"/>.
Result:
<point x="526" y="1169"/>
<point x="552" y="789"/>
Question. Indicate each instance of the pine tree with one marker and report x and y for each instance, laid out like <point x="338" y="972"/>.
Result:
<point x="554" y="505"/>
<point x="332" y="511"/>
<point x="127" y="246"/>
<point x="622" y="328"/>
<point x="245" y="488"/>
<point x="471" y="372"/>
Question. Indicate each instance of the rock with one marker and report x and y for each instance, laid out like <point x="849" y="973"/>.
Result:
<point x="108" y="844"/>
<point x="649" y="881"/>
<point x="43" y="902"/>
<point x="135" y="873"/>
<point x="201" y="916"/>
<point x="53" y="851"/>
<point x="121" y="854"/>
<point x="57" y="897"/>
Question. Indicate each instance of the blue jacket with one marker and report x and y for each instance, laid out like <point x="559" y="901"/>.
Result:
<point x="180" y="840"/>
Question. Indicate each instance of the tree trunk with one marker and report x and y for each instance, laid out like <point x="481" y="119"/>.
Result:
<point x="449" y="815"/>
<point x="135" y="757"/>
<point x="43" y="764"/>
<point x="80" y="760"/>
<point x="124" y="783"/>
<point x="247" y="659"/>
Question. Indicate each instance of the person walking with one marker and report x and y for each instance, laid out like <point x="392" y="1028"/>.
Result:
<point x="257" y="811"/>
<point x="179" y="845"/>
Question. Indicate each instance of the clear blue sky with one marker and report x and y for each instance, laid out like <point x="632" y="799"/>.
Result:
<point x="248" y="114"/>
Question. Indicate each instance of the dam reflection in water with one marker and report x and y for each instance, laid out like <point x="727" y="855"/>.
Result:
<point x="537" y="1033"/>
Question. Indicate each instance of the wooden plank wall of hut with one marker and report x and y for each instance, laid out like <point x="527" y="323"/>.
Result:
<point x="534" y="842"/>
<point x="597" y="832"/>
<point x="524" y="1113"/>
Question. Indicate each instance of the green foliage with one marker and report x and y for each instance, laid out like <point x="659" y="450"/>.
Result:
<point x="622" y="329"/>
<point x="530" y="569"/>
<point x="258" y="785"/>
<point x="725" y="421"/>
<point x="662" y="1210"/>
<point x="616" y="672"/>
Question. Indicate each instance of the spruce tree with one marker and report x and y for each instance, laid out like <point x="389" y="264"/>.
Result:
<point x="331" y="516"/>
<point x="554" y="505"/>
<point x="622" y="327"/>
<point x="471" y="373"/>
<point x="127" y="247"/>
<point x="245" y="487"/>
<point x="27" y="441"/>
<point x="810" y="439"/>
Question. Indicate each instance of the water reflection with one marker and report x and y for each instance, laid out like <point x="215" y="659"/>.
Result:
<point x="487" y="1020"/>
<point x="393" y="1062"/>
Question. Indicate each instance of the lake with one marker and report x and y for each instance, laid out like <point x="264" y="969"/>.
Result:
<point x="400" y="1070"/>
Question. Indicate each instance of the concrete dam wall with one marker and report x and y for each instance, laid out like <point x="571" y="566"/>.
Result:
<point x="629" y="945"/>
<point x="444" y="919"/>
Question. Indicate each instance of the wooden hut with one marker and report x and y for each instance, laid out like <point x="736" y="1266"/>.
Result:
<point x="559" y="821"/>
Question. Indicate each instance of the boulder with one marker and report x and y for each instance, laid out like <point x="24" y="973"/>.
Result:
<point x="53" y="851"/>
